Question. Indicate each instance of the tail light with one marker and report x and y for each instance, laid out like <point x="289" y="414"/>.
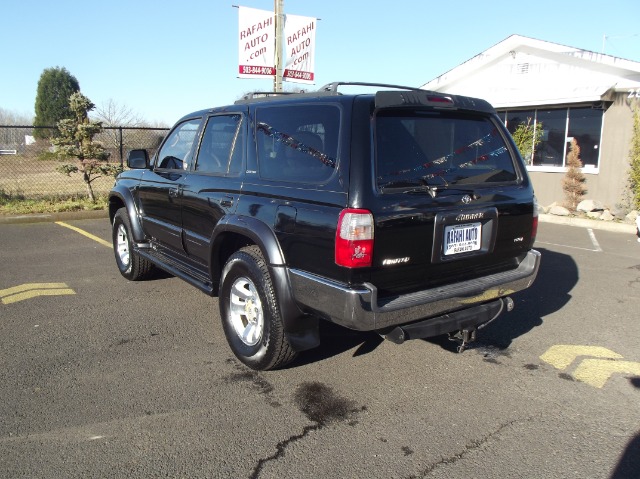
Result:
<point x="354" y="239"/>
<point x="534" y="226"/>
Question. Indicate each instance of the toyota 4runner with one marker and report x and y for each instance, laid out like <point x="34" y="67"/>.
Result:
<point x="403" y="211"/>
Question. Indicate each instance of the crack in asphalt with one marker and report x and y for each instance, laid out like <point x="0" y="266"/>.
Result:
<point x="468" y="448"/>
<point x="322" y="406"/>
<point x="281" y="449"/>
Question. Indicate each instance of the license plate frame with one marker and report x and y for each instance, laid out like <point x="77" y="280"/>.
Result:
<point x="459" y="239"/>
<point x="487" y="216"/>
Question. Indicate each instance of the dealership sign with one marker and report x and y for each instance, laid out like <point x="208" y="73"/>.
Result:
<point x="257" y="45"/>
<point x="257" y="40"/>
<point x="300" y="45"/>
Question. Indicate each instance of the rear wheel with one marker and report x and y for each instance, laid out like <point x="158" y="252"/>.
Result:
<point x="250" y="313"/>
<point x="130" y="264"/>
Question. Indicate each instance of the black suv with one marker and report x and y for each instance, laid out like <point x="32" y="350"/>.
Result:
<point x="402" y="211"/>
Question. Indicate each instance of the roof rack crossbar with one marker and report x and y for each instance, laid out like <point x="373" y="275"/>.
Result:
<point x="333" y="87"/>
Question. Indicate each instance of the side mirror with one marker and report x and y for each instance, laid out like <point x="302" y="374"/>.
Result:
<point x="138" y="159"/>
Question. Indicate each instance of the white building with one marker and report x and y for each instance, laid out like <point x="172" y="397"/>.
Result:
<point x="571" y="93"/>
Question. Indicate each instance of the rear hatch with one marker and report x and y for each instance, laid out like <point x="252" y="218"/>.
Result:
<point x="451" y="200"/>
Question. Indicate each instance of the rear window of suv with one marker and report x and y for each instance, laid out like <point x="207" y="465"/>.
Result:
<point x="297" y="143"/>
<point x="431" y="148"/>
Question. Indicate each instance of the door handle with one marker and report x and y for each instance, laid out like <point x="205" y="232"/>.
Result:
<point x="173" y="192"/>
<point x="226" y="202"/>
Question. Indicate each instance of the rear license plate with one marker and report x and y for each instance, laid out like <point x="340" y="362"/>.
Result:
<point x="462" y="238"/>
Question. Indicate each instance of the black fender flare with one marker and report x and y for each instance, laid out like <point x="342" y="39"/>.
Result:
<point x="302" y="330"/>
<point x="256" y="230"/>
<point x="125" y="197"/>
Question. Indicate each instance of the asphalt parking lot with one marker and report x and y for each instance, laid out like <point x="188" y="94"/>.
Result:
<point x="102" y="377"/>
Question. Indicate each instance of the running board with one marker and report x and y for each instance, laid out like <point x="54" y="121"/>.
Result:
<point x="176" y="268"/>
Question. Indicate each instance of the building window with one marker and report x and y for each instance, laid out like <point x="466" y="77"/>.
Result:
<point x="585" y="125"/>
<point x="559" y="126"/>
<point x="550" y="151"/>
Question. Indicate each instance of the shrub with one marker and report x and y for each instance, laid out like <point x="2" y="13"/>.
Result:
<point x="573" y="183"/>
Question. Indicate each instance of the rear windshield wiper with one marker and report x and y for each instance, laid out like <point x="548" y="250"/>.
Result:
<point x="435" y="189"/>
<point x="409" y="186"/>
<point x="397" y="184"/>
<point x="421" y="186"/>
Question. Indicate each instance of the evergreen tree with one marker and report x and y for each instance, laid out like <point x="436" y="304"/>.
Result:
<point x="76" y="141"/>
<point x="573" y="183"/>
<point x="52" y="100"/>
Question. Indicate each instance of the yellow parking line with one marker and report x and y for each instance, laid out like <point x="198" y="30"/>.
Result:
<point x="35" y="293"/>
<point x="85" y="233"/>
<point x="561" y="356"/>
<point x="596" y="372"/>
<point x="32" y="290"/>
<point x="30" y="286"/>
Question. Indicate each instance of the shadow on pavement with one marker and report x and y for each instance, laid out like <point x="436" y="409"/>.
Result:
<point x="335" y="340"/>
<point x="629" y="465"/>
<point x="550" y="292"/>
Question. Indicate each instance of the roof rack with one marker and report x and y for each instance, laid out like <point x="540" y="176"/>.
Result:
<point x="333" y="87"/>
<point x="265" y="94"/>
<point x="330" y="89"/>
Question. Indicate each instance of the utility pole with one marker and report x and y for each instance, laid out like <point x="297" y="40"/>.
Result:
<point x="279" y="17"/>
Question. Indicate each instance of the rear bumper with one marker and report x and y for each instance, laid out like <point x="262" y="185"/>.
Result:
<point x="359" y="308"/>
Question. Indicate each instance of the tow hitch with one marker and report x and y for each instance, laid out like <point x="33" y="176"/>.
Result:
<point x="463" y="338"/>
<point x="461" y="326"/>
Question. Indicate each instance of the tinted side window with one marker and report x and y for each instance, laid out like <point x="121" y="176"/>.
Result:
<point x="222" y="147"/>
<point x="298" y="143"/>
<point x="177" y="149"/>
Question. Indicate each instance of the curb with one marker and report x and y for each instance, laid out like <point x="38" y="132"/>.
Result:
<point x="588" y="223"/>
<point x="52" y="217"/>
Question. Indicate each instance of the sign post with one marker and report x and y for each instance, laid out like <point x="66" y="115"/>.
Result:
<point x="278" y="9"/>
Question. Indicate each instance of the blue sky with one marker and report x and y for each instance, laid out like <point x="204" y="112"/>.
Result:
<point x="165" y="59"/>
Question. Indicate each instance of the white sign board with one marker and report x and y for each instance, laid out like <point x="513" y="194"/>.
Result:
<point x="256" y="43"/>
<point x="300" y="46"/>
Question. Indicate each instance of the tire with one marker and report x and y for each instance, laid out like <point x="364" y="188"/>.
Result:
<point x="250" y="314"/>
<point x="131" y="265"/>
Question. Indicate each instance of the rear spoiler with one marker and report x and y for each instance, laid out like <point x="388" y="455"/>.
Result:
<point x="394" y="99"/>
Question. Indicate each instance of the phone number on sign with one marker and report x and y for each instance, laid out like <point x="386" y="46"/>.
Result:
<point x="253" y="70"/>
<point x="298" y="75"/>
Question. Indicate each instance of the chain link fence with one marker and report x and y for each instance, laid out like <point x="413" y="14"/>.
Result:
<point x="28" y="166"/>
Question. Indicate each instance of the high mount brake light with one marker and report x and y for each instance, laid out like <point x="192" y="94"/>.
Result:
<point x="440" y="99"/>
<point x="354" y="239"/>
